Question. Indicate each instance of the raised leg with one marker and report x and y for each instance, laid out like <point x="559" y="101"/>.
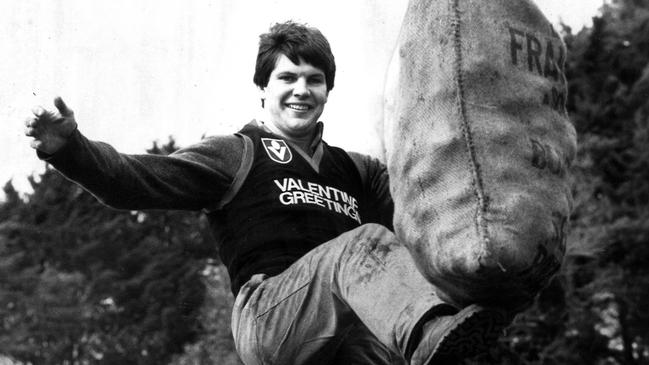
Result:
<point x="303" y="315"/>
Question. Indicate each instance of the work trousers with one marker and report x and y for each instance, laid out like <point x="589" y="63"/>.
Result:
<point x="356" y="299"/>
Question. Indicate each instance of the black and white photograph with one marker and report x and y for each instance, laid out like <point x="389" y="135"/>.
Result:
<point x="282" y="182"/>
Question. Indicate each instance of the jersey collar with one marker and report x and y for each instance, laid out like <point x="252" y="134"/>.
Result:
<point x="316" y="145"/>
<point x="317" y="137"/>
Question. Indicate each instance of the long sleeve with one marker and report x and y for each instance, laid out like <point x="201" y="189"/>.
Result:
<point x="376" y="184"/>
<point x="192" y="178"/>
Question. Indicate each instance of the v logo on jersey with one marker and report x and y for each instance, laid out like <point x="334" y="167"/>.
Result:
<point x="277" y="150"/>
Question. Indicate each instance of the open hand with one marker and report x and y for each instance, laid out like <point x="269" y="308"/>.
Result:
<point x="50" y="129"/>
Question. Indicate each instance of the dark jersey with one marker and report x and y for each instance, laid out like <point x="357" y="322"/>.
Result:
<point x="320" y="196"/>
<point x="287" y="205"/>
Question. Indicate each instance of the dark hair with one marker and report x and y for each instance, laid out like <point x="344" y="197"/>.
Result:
<point x="295" y="41"/>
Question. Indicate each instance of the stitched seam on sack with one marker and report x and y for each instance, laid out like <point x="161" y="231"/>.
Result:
<point x="478" y="186"/>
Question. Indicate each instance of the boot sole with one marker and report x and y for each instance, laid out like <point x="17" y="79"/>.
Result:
<point x="474" y="331"/>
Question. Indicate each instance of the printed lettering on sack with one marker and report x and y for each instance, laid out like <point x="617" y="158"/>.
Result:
<point x="545" y="156"/>
<point x="296" y="191"/>
<point x="543" y="56"/>
<point x="555" y="99"/>
<point x="547" y="260"/>
<point x="277" y="150"/>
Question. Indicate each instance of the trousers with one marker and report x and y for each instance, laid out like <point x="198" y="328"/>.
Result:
<point x="356" y="299"/>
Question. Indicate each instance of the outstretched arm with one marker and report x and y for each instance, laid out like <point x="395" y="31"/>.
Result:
<point x="192" y="178"/>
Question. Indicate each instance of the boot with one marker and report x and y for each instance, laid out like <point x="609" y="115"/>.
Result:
<point x="447" y="339"/>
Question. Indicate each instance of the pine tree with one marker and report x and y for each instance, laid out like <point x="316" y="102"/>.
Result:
<point x="84" y="283"/>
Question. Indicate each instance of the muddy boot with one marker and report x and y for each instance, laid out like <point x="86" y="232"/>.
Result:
<point x="479" y="147"/>
<point x="448" y="339"/>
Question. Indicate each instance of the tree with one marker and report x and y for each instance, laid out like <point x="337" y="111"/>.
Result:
<point x="84" y="283"/>
<point x="611" y="83"/>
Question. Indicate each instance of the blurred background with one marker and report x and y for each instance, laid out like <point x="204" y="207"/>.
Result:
<point x="137" y="72"/>
<point x="84" y="284"/>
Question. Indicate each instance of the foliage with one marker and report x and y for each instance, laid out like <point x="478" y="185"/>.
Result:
<point x="83" y="283"/>
<point x="216" y="345"/>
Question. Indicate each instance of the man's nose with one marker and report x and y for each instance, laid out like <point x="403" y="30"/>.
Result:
<point x="301" y="88"/>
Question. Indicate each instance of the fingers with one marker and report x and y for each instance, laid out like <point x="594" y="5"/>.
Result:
<point x="31" y="130"/>
<point x="62" y="107"/>
<point x="38" y="111"/>
<point x="42" y="115"/>
<point x="30" y="124"/>
<point x="33" y="123"/>
<point x="36" y="144"/>
<point x="29" y="121"/>
<point x="50" y="129"/>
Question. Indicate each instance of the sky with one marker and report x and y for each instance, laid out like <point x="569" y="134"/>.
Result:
<point x="136" y="72"/>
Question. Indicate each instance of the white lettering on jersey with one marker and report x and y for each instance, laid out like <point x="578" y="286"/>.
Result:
<point x="294" y="191"/>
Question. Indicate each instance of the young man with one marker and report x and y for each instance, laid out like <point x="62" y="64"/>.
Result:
<point x="301" y="225"/>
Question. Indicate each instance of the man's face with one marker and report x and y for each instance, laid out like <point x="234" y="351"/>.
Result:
<point x="295" y="97"/>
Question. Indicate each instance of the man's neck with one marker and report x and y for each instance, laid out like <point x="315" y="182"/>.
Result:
<point x="306" y="143"/>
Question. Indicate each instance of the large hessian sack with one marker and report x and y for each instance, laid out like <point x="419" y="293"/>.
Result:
<point x="479" y="146"/>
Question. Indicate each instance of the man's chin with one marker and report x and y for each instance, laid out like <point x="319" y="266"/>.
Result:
<point x="300" y="129"/>
<point x="300" y="124"/>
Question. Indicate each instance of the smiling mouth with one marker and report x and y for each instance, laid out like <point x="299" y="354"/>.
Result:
<point x="299" y="107"/>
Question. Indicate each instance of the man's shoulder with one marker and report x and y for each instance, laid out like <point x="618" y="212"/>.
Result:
<point x="216" y="143"/>
<point x="222" y="152"/>
<point x="364" y="160"/>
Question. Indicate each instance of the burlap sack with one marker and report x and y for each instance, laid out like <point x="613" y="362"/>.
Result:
<point x="479" y="146"/>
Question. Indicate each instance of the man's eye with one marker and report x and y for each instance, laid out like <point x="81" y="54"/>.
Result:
<point x="316" y="80"/>
<point x="287" y="78"/>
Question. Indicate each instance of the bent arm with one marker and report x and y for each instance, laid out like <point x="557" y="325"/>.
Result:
<point x="192" y="178"/>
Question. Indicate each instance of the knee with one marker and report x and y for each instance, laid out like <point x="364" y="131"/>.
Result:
<point x="373" y="239"/>
<point x="372" y="232"/>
